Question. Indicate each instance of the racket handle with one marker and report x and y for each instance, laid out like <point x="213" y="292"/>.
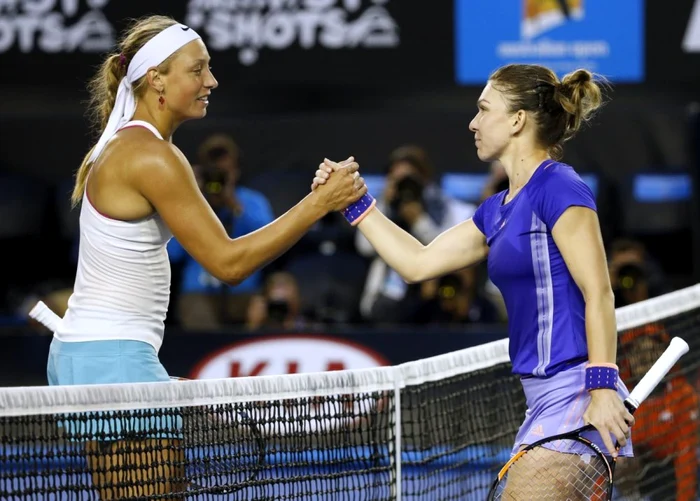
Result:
<point x="676" y="349"/>
<point x="45" y="316"/>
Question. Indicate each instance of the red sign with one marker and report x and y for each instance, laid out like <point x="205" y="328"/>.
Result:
<point x="289" y="354"/>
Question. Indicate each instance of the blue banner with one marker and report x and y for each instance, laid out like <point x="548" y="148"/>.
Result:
<point x="603" y="36"/>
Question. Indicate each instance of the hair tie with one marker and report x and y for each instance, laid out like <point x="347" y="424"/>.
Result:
<point x="122" y="59"/>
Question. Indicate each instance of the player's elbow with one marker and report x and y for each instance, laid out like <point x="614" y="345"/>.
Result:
<point x="414" y="274"/>
<point x="601" y="293"/>
<point x="411" y="279"/>
<point x="230" y="275"/>
<point x="231" y="270"/>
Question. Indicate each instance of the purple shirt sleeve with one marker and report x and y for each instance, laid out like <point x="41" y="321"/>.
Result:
<point x="478" y="216"/>
<point x="561" y="191"/>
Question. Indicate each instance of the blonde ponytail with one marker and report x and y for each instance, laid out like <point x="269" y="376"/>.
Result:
<point x="104" y="85"/>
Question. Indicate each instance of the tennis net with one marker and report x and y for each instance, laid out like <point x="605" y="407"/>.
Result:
<point x="437" y="428"/>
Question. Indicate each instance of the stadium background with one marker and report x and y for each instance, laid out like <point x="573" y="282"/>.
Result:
<point x="295" y="105"/>
<point x="303" y="99"/>
<point x="290" y="96"/>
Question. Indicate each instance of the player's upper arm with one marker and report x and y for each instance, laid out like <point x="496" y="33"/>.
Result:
<point x="167" y="181"/>
<point x="578" y="238"/>
<point x="459" y="247"/>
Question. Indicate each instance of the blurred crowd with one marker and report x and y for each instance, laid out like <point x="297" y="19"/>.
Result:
<point x="333" y="276"/>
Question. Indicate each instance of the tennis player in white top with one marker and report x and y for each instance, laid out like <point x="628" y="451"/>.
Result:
<point x="138" y="190"/>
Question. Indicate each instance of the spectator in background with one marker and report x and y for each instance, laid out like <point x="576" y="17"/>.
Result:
<point x="624" y="251"/>
<point x="455" y="300"/>
<point x="413" y="200"/>
<point x="278" y="307"/>
<point x="666" y="426"/>
<point x="204" y="302"/>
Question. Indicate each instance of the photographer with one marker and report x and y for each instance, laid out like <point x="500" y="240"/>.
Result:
<point x="415" y="202"/>
<point x="455" y="299"/>
<point x="278" y="307"/>
<point x="204" y="302"/>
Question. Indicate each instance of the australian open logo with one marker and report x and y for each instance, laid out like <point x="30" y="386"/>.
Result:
<point x="55" y="26"/>
<point x="252" y="26"/>
<point x="541" y="17"/>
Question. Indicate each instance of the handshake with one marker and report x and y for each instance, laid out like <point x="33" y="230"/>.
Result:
<point x="339" y="187"/>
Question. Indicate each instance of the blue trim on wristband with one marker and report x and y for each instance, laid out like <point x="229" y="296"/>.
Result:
<point x="355" y="210"/>
<point x="600" y="377"/>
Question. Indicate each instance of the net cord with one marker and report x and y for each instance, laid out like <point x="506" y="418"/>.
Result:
<point x="39" y="400"/>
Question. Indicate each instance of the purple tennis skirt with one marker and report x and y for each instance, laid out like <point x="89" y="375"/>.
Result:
<point x="556" y="405"/>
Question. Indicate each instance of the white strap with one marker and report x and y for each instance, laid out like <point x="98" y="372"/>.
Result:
<point x="143" y="123"/>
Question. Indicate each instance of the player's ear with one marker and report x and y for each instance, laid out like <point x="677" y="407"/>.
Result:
<point x="518" y="121"/>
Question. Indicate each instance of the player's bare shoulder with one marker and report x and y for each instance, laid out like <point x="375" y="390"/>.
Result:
<point x="149" y="157"/>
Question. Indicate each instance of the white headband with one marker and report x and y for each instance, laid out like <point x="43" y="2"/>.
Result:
<point x="154" y="52"/>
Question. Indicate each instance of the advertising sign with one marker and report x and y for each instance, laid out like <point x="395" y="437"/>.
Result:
<point x="251" y="41"/>
<point x="602" y="36"/>
<point x="289" y="354"/>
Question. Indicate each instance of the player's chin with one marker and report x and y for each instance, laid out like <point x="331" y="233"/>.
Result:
<point x="195" y="114"/>
<point x="484" y="155"/>
<point x="199" y="109"/>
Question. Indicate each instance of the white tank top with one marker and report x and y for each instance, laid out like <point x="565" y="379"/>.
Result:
<point x="122" y="285"/>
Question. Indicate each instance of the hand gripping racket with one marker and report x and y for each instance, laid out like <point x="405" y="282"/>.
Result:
<point x="569" y="466"/>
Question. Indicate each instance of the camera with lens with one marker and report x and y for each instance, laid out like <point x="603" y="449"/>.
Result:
<point x="408" y="189"/>
<point x="277" y="310"/>
<point x="632" y="280"/>
<point x="213" y="181"/>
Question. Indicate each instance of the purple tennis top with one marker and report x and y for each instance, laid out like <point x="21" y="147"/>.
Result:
<point x="545" y="307"/>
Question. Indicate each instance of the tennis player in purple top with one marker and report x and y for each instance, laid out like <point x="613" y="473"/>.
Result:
<point x="545" y="253"/>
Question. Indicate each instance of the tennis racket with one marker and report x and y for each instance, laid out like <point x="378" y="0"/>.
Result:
<point x="569" y="466"/>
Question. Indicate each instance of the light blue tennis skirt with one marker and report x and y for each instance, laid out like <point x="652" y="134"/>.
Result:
<point x="103" y="362"/>
<point x="111" y="362"/>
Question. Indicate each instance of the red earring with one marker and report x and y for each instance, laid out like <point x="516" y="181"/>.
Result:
<point x="161" y="100"/>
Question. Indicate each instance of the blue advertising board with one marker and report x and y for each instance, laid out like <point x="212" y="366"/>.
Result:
<point x="603" y="36"/>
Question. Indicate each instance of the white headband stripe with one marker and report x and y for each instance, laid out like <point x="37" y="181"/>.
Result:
<point x="154" y="52"/>
<point x="158" y="49"/>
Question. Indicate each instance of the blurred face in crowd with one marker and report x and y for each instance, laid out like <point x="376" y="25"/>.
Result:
<point x="629" y="255"/>
<point x="491" y="125"/>
<point x="282" y="291"/>
<point x="402" y="169"/>
<point x="229" y="164"/>
<point x="643" y="353"/>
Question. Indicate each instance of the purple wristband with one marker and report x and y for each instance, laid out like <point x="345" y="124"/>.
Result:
<point x="354" y="212"/>
<point x="601" y="377"/>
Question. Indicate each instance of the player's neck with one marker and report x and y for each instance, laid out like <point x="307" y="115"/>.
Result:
<point x="521" y="165"/>
<point x="161" y="120"/>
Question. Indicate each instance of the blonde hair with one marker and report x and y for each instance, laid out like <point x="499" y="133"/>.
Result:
<point x="559" y="108"/>
<point x="104" y="85"/>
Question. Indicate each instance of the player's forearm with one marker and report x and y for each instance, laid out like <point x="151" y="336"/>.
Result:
<point x="398" y="248"/>
<point x="254" y="250"/>
<point x="601" y="329"/>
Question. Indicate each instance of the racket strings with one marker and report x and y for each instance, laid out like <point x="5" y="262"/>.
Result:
<point x="545" y="474"/>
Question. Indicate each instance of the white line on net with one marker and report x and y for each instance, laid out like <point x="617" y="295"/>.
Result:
<point x="57" y="399"/>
